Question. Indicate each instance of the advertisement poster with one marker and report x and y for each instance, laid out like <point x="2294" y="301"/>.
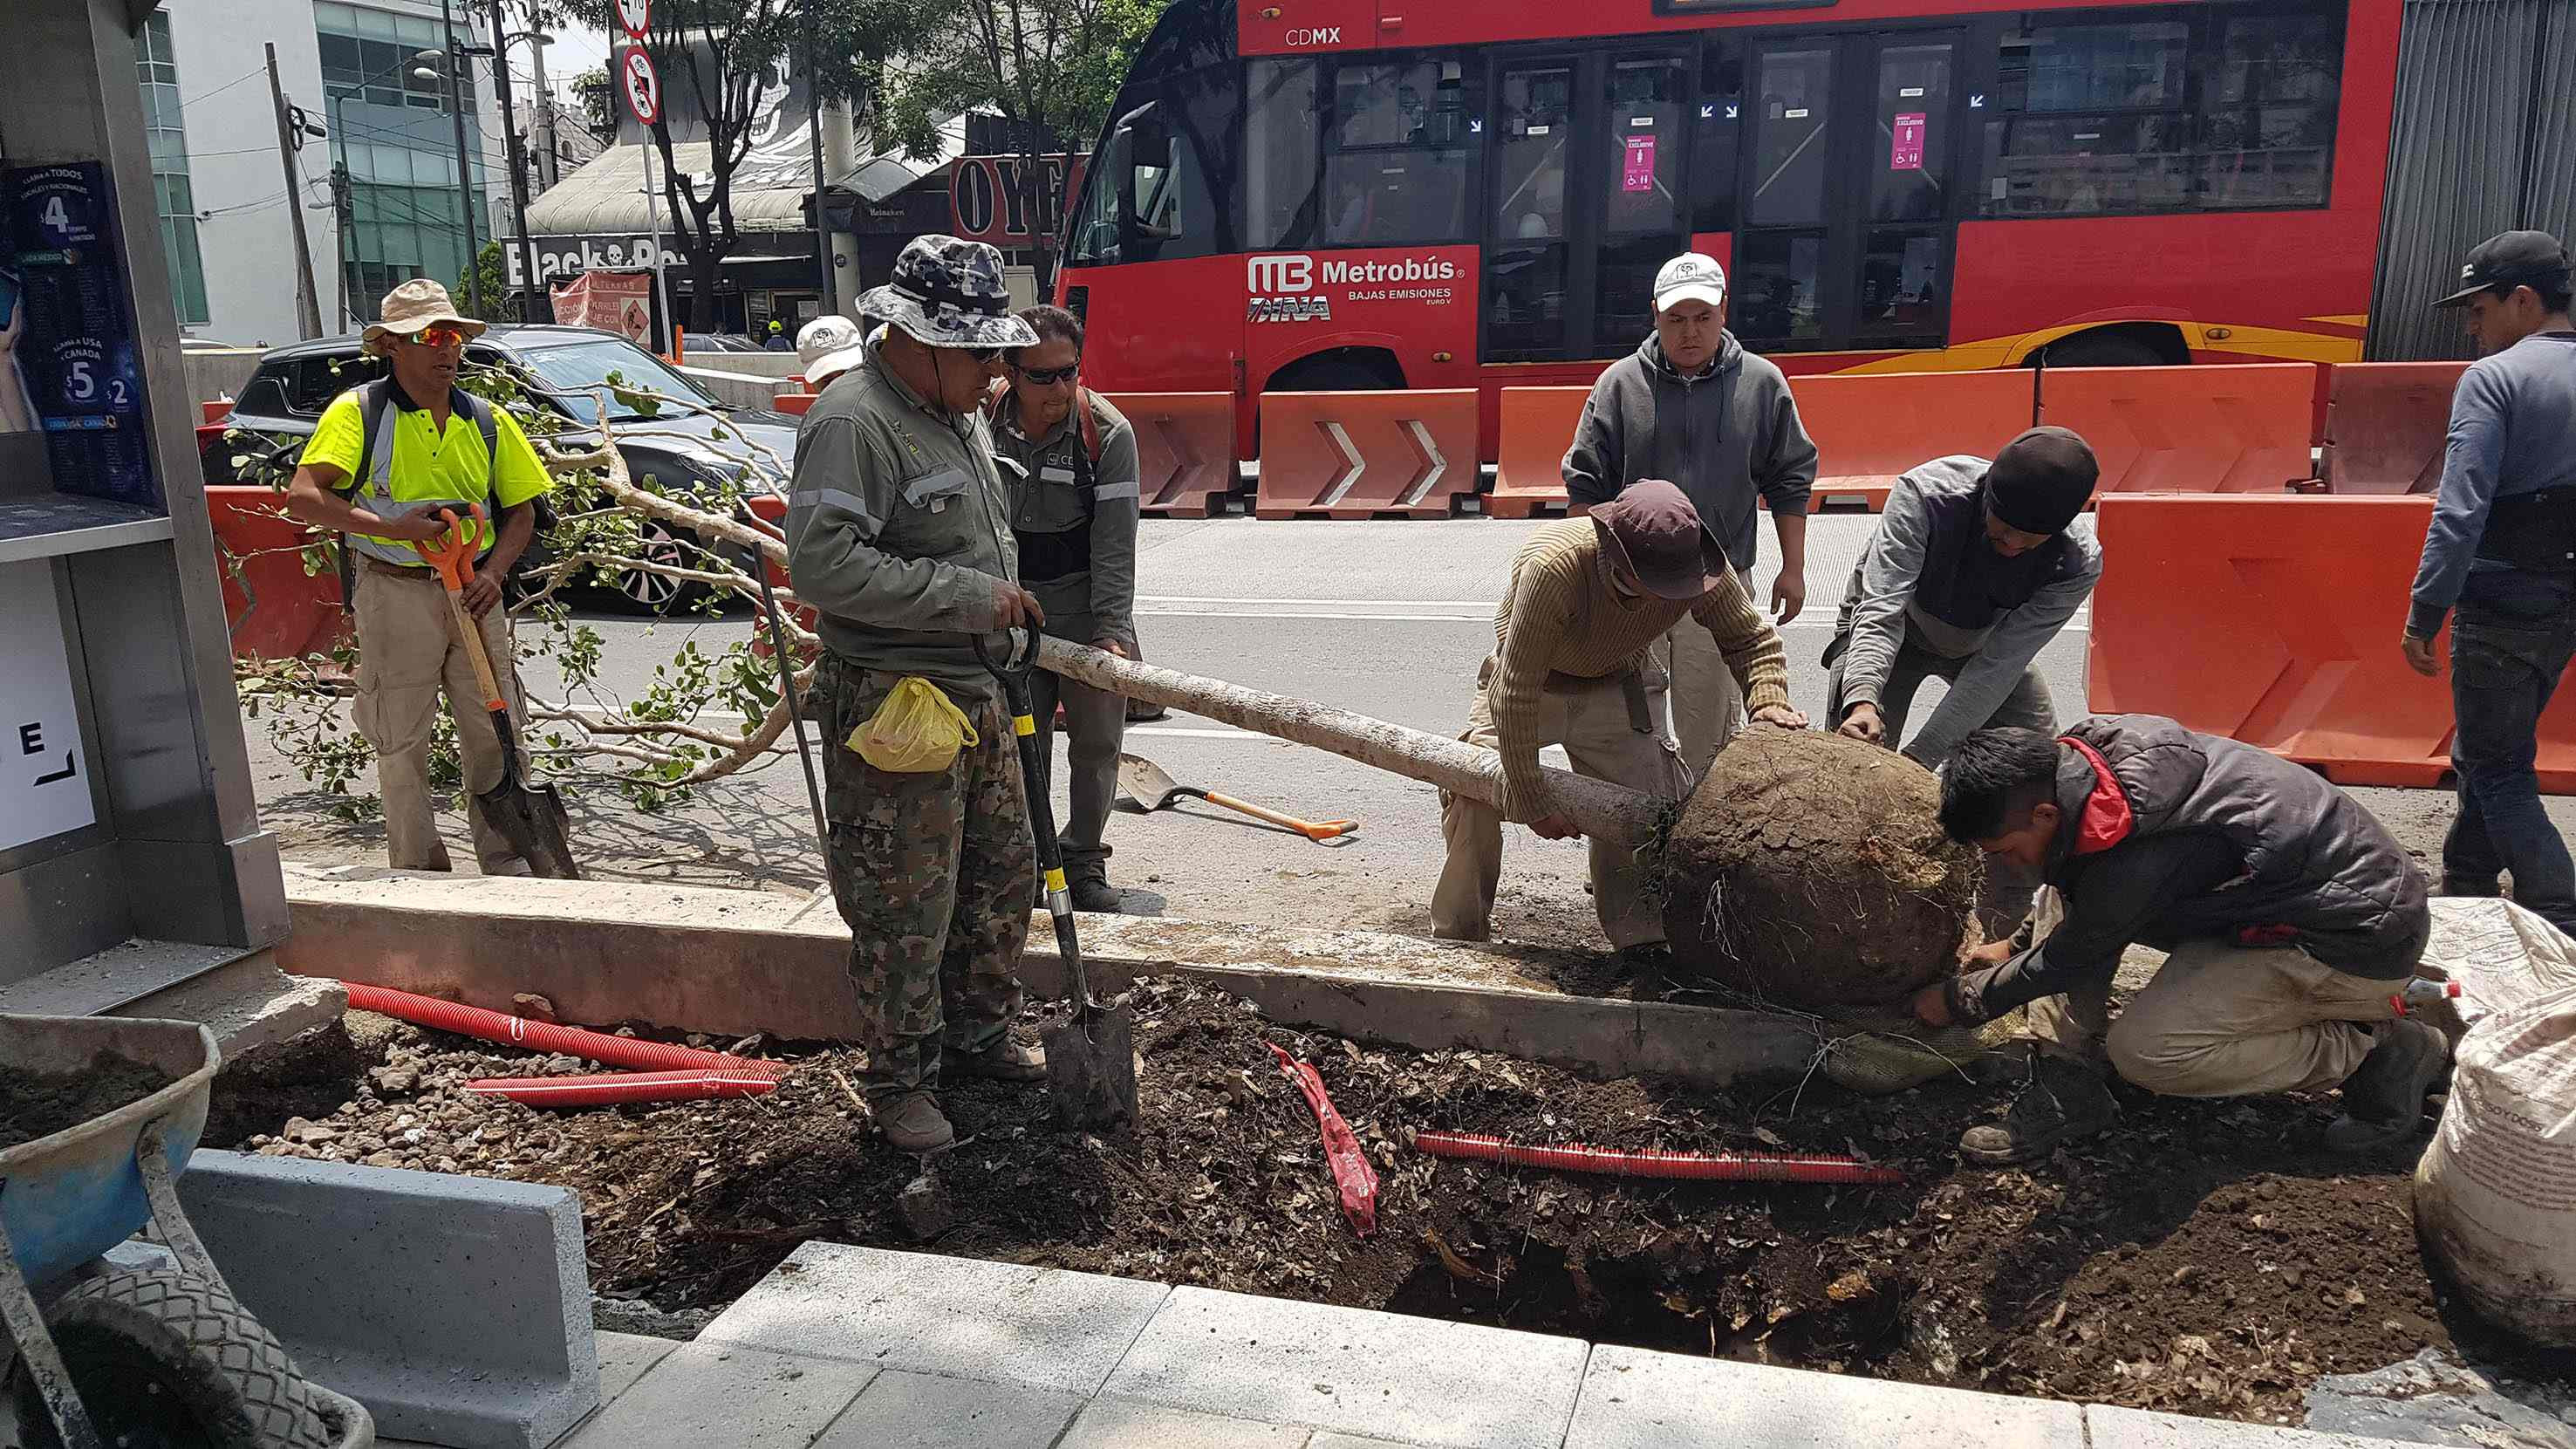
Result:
<point x="619" y="302"/>
<point x="1905" y="151"/>
<point x="1639" y="172"/>
<point x="75" y="345"/>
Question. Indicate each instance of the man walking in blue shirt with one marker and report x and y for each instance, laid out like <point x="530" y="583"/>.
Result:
<point x="2501" y="558"/>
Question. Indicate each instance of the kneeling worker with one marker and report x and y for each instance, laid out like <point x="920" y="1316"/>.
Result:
<point x="1974" y="568"/>
<point x="1588" y="599"/>
<point x="2292" y="916"/>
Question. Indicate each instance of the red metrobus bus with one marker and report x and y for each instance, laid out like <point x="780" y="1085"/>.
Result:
<point x="1319" y="194"/>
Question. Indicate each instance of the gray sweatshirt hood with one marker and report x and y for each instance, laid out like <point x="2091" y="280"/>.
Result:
<point x="1730" y="357"/>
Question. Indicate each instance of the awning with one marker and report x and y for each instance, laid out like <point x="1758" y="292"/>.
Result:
<point x="605" y="196"/>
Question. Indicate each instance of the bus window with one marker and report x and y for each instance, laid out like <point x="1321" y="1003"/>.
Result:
<point x="1400" y="162"/>
<point x="2267" y="114"/>
<point x="1776" y="277"/>
<point x="1526" y="253"/>
<point x="1713" y="144"/>
<point x="2100" y="118"/>
<point x="1640" y="176"/>
<point x="1280" y="141"/>
<point x="1790" y="154"/>
<point x="1911" y="152"/>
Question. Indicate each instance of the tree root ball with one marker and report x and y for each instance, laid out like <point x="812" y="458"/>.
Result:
<point x="1810" y="870"/>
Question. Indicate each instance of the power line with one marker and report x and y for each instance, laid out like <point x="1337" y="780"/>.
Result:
<point x="184" y="104"/>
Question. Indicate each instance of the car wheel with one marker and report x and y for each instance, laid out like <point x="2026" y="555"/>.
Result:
<point x="645" y="590"/>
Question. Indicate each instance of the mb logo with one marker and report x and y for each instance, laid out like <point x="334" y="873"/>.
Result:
<point x="1273" y="276"/>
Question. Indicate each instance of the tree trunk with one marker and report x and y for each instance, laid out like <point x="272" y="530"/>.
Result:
<point x="1607" y="811"/>
<point x="703" y="262"/>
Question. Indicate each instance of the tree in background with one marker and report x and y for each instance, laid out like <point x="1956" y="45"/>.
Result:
<point x="494" y="273"/>
<point x="1048" y="68"/>
<point x="722" y="57"/>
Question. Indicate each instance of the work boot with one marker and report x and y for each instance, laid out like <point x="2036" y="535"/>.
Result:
<point x="2062" y="1102"/>
<point x="1092" y="891"/>
<point x="1003" y="1061"/>
<point x="912" y="1122"/>
<point x="2383" y="1100"/>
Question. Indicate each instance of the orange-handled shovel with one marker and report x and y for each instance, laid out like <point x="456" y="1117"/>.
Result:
<point x="1144" y="788"/>
<point x="530" y="817"/>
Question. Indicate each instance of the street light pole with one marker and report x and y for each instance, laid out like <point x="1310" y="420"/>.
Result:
<point x="464" y="160"/>
<point x="814" y="134"/>
<point x="529" y="288"/>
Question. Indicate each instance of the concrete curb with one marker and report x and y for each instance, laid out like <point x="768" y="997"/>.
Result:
<point x="457" y="1309"/>
<point x="735" y="962"/>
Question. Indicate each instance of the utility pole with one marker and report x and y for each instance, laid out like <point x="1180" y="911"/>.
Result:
<point x="541" y="127"/>
<point x="308" y="307"/>
<point x="814" y="133"/>
<point x="343" y="210"/>
<point x="529" y="290"/>
<point x="464" y="158"/>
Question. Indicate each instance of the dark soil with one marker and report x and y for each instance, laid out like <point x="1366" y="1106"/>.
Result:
<point x="1810" y="870"/>
<point x="40" y="1104"/>
<point x="2201" y="1257"/>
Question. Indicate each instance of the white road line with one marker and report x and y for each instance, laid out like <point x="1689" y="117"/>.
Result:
<point x="1485" y="604"/>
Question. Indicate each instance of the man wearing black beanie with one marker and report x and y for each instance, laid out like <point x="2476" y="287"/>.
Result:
<point x="1976" y="565"/>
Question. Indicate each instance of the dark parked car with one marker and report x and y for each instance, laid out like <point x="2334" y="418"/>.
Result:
<point x="563" y="367"/>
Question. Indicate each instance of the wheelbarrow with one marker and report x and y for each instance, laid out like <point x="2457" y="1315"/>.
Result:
<point x="158" y="1357"/>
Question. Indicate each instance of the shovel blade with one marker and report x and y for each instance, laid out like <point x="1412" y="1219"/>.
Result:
<point x="531" y="818"/>
<point x="1143" y="786"/>
<point x="1091" y="1069"/>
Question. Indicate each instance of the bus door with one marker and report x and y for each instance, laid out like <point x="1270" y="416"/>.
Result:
<point x="1587" y="197"/>
<point x="1849" y="208"/>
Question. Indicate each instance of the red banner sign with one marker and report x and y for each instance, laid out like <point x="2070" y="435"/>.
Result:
<point x="619" y="302"/>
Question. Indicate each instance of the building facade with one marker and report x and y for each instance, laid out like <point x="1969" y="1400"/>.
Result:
<point x="378" y="187"/>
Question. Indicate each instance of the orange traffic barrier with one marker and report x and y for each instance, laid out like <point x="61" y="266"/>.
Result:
<point x="1537" y="427"/>
<point x="1360" y="454"/>
<point x="794" y="404"/>
<point x="2232" y="428"/>
<point x="1868" y="429"/>
<point x="274" y="609"/>
<point x="2275" y="621"/>
<point x="1184" y="449"/>
<point x="2385" y="425"/>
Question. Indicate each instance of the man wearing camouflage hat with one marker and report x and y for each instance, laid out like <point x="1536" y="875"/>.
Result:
<point x="899" y="535"/>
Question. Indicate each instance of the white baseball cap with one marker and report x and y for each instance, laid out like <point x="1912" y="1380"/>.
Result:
<point x="1690" y="277"/>
<point x="829" y="346"/>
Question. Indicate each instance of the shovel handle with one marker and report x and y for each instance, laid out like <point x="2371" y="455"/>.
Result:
<point x="451" y="555"/>
<point x="1315" y="830"/>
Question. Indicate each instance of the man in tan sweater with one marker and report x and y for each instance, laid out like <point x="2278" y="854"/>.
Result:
<point x="1589" y="597"/>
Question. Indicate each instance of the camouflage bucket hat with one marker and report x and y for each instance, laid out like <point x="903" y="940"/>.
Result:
<point x="948" y="292"/>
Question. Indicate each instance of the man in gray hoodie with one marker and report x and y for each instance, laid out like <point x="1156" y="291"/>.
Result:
<point x="1691" y="405"/>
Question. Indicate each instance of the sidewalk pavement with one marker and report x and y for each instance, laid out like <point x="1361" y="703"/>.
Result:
<point x="860" y="1348"/>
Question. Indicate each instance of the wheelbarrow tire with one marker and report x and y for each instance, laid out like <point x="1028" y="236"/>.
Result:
<point x="166" y="1357"/>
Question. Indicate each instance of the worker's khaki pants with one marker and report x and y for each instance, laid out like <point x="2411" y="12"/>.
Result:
<point x="2223" y="1021"/>
<point x="1707" y="702"/>
<point x="409" y="650"/>
<point x="1592" y="723"/>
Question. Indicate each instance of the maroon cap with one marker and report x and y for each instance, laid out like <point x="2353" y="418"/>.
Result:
<point x="1651" y="530"/>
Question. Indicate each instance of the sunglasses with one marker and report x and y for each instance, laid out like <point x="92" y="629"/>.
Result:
<point x="1049" y="376"/>
<point x="985" y="355"/>
<point x="438" y="335"/>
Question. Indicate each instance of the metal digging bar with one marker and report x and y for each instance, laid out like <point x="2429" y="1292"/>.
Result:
<point x="1609" y="812"/>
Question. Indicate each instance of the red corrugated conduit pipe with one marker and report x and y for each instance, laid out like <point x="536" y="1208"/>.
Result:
<point x="616" y="1051"/>
<point x="1696" y="1166"/>
<point x="620" y="1088"/>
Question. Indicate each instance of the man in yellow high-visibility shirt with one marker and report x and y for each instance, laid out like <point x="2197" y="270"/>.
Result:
<point x="387" y="456"/>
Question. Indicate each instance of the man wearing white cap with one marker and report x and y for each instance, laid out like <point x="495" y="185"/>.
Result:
<point x="386" y="457"/>
<point x="1692" y="406"/>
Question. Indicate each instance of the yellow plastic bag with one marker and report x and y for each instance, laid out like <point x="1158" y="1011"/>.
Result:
<point x="917" y="730"/>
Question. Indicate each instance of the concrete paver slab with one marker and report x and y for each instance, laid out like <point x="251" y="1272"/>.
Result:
<point x="1357" y="1372"/>
<point x="703" y="1394"/>
<point x="925" y="1411"/>
<point x="1634" y="1399"/>
<point x="2137" y="1429"/>
<point x="1042" y="1327"/>
<point x="1117" y="1424"/>
<point x="1330" y="1440"/>
<point x="624" y="1358"/>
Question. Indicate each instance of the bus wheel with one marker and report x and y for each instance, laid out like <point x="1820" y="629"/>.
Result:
<point x="2105" y="349"/>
